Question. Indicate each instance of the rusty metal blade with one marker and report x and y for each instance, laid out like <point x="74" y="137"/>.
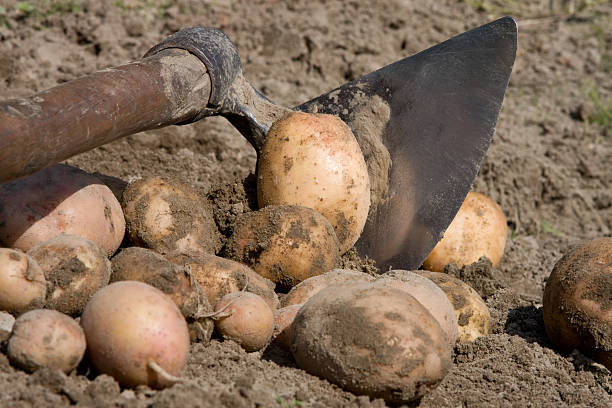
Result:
<point x="435" y="112"/>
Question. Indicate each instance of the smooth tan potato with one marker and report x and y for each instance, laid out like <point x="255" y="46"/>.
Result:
<point x="247" y="319"/>
<point x="219" y="276"/>
<point x="283" y="319"/>
<point x="23" y="285"/>
<point x="75" y="268"/>
<point x="577" y="301"/>
<point x="177" y="282"/>
<point x="59" y="199"/>
<point x="44" y="338"/>
<point x="428" y="294"/>
<point x="286" y="244"/>
<point x="371" y="340"/>
<point x="479" y="229"/>
<point x="306" y="289"/>
<point x="315" y="161"/>
<point x="128" y="326"/>
<point x="168" y="217"/>
<point x="473" y="317"/>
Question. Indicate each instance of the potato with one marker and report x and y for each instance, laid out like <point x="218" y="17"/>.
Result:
<point x="371" y="340"/>
<point x="306" y="289"/>
<point x="145" y="265"/>
<point x="479" y="229"/>
<point x="7" y="321"/>
<point x="473" y="317"/>
<point x="428" y="294"/>
<point x="59" y="199"/>
<point x="135" y="334"/>
<point x="245" y="318"/>
<point x="168" y="216"/>
<point x="219" y="276"/>
<point x="75" y="268"/>
<point x="315" y="161"/>
<point x="577" y="301"/>
<point x="23" y="285"/>
<point x="286" y="244"/>
<point x="46" y="339"/>
<point x="283" y="319"/>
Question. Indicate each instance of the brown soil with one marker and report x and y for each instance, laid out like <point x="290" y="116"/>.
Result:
<point x="548" y="167"/>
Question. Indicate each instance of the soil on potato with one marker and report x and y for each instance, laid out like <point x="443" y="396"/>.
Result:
<point x="548" y="167"/>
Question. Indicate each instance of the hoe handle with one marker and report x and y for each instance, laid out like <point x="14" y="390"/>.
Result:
<point x="166" y="88"/>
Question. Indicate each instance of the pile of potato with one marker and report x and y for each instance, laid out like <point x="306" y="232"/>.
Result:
<point x="146" y="271"/>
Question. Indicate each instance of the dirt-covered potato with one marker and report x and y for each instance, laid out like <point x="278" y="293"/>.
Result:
<point x="145" y="265"/>
<point x="219" y="276"/>
<point x="44" y="338"/>
<point x="59" y="199"/>
<point x="428" y="294"/>
<point x="168" y="217"/>
<point x="75" y="268"/>
<point x="136" y="334"/>
<point x="245" y="318"/>
<point x="286" y="244"/>
<point x="314" y="160"/>
<point x="23" y="285"/>
<point x="473" y="317"/>
<point x="479" y="229"/>
<point x="371" y="340"/>
<point x="306" y="289"/>
<point x="577" y="301"/>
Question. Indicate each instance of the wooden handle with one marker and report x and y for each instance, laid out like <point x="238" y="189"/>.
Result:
<point x="169" y="87"/>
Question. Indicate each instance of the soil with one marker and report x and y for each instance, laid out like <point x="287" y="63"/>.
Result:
<point x="548" y="167"/>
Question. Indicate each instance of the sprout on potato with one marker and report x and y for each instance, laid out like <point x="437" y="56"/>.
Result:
<point x="478" y="229"/>
<point x="577" y="301"/>
<point x="473" y="317"/>
<point x="286" y="244"/>
<point x="169" y="217"/>
<point x="75" y="268"/>
<point x="315" y="161"/>
<point x="60" y="199"/>
<point x="44" y="338"/>
<point x="136" y="334"/>
<point x="371" y="340"/>
<point x="23" y="285"/>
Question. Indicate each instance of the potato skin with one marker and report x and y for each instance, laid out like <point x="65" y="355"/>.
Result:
<point x="250" y="322"/>
<point x="169" y="217"/>
<point x="286" y="244"/>
<point x="577" y="301"/>
<point x="23" y="285"/>
<point x="371" y="340"/>
<point x="75" y="268"/>
<point x="314" y="160"/>
<point x="44" y="338"/>
<point x="473" y="316"/>
<point x="428" y="294"/>
<point x="59" y="199"/>
<point x="478" y="229"/>
<point x="219" y="276"/>
<point x="283" y="319"/>
<point x="129" y="323"/>
<point x="306" y="289"/>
